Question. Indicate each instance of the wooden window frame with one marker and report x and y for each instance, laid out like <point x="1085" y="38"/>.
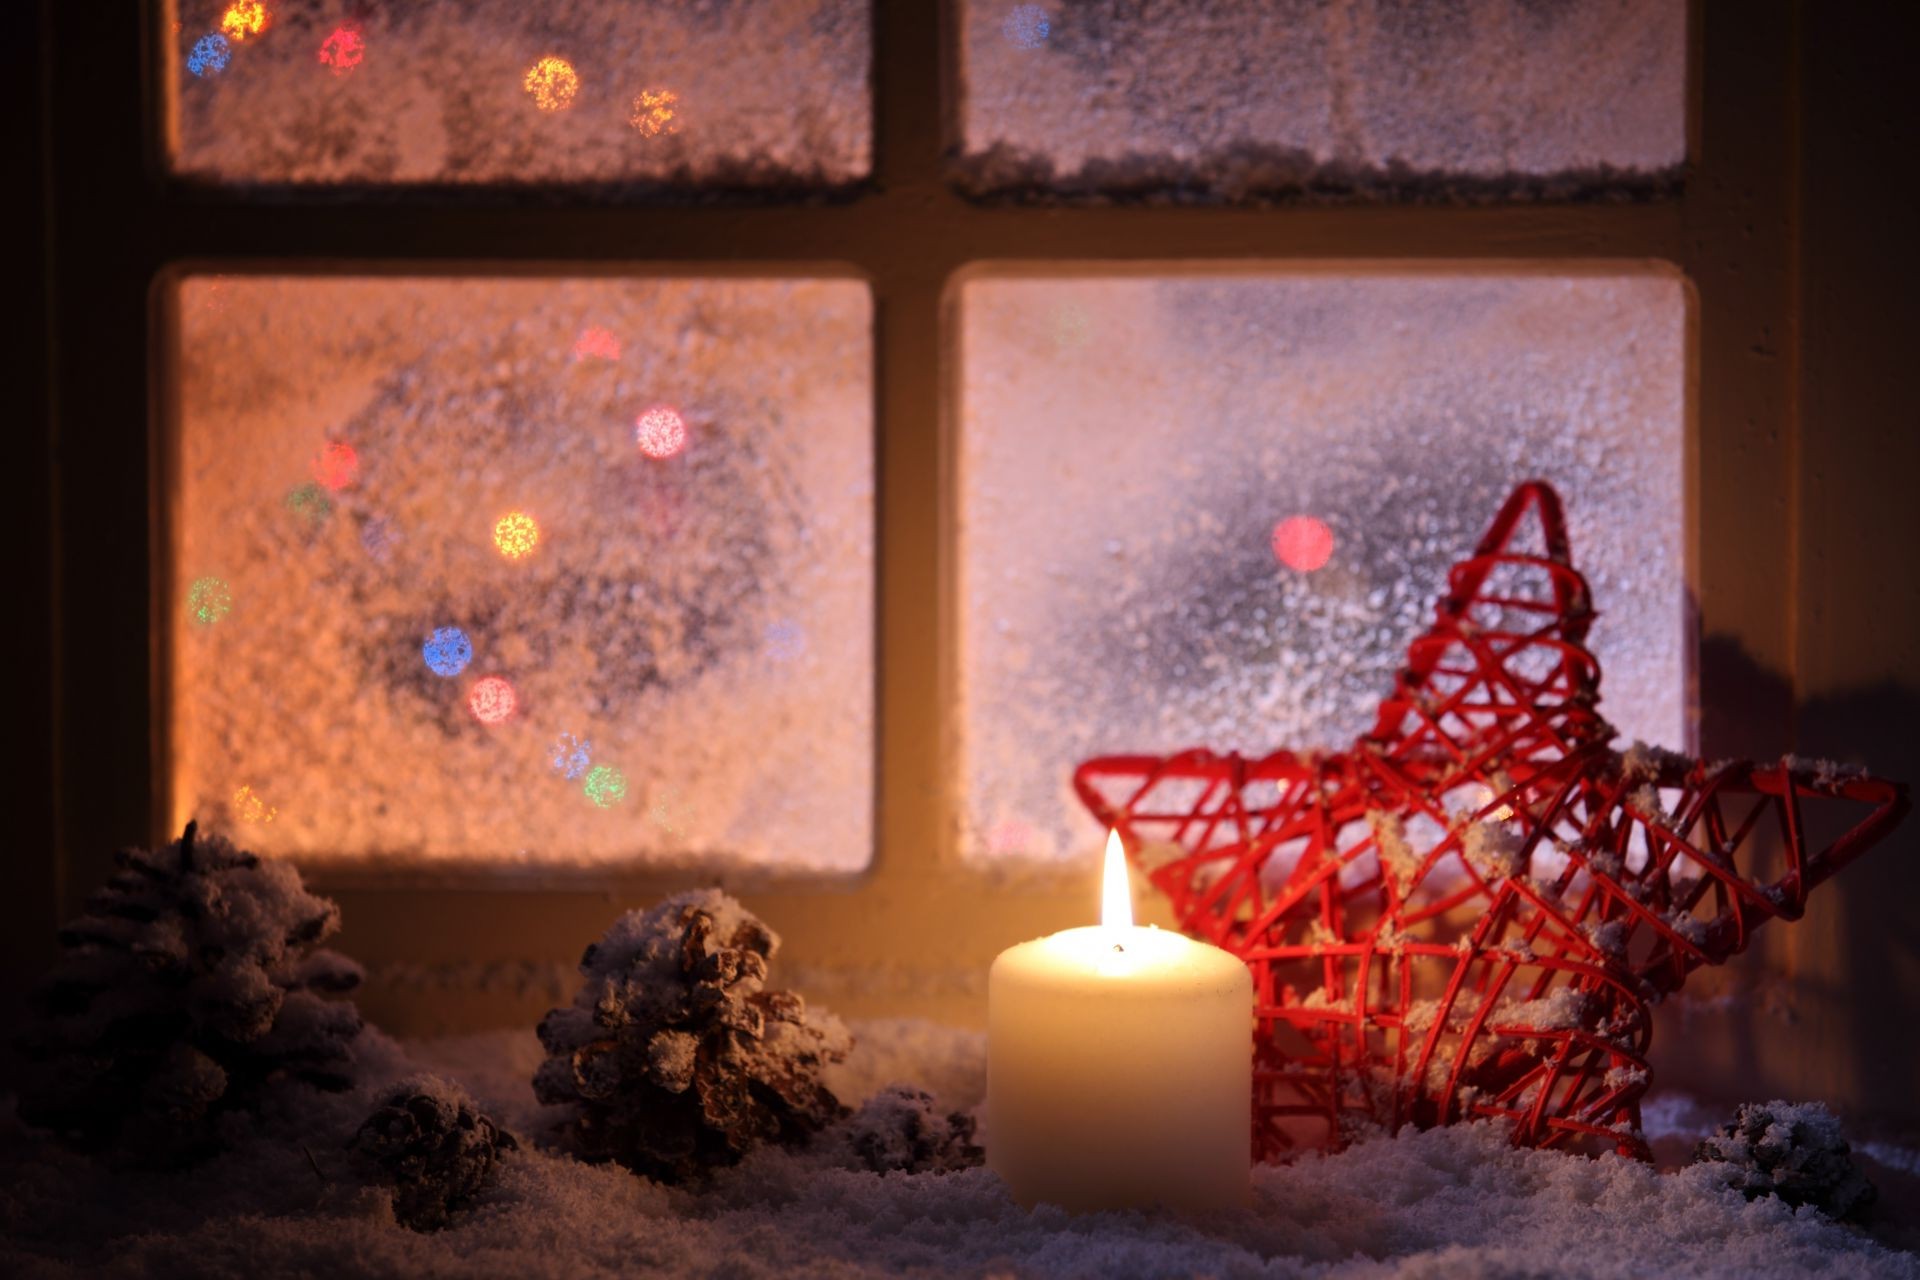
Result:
<point x="913" y="934"/>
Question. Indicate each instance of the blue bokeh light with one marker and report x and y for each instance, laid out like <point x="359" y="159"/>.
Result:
<point x="785" y="640"/>
<point x="571" y="756"/>
<point x="210" y="55"/>
<point x="1027" y="26"/>
<point x="447" y="651"/>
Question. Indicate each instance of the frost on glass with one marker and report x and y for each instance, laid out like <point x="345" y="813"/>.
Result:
<point x="555" y="572"/>
<point x="1151" y="468"/>
<point x="1246" y="99"/>
<point x="742" y="94"/>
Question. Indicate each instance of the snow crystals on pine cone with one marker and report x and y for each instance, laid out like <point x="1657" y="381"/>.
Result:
<point x="1792" y="1150"/>
<point x="190" y="982"/>
<point x="901" y="1128"/>
<point x="674" y="1057"/>
<point x="431" y="1143"/>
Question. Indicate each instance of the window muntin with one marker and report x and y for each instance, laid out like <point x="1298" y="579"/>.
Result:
<point x="692" y="594"/>
<point x="1132" y="449"/>
<point x="760" y="94"/>
<point x="1251" y="98"/>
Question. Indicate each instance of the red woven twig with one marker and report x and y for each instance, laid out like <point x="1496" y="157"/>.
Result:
<point x="1469" y="912"/>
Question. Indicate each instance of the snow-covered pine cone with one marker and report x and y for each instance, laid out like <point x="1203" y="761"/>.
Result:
<point x="902" y="1128"/>
<point x="674" y="1057"/>
<point x="1792" y="1150"/>
<point x="432" y="1144"/>
<point x="191" y="980"/>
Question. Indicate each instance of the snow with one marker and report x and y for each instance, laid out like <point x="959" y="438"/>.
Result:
<point x="1127" y="445"/>
<point x="636" y="631"/>
<point x="1457" y="1202"/>
<point x="763" y="94"/>
<point x="1238" y="98"/>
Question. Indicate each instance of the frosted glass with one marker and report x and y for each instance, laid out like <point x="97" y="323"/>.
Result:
<point x="1274" y="97"/>
<point x="1130" y="448"/>
<point x="644" y="505"/>
<point x="746" y="94"/>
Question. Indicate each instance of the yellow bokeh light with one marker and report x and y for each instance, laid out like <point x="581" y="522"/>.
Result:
<point x="516" y="534"/>
<point x="249" y="807"/>
<point x="243" y="18"/>
<point x="551" y="83"/>
<point x="655" y="111"/>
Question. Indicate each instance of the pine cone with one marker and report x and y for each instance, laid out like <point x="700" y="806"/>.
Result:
<point x="901" y="1128"/>
<point x="1794" y="1151"/>
<point x="434" y="1147"/>
<point x="673" y="1056"/>
<point x="190" y="981"/>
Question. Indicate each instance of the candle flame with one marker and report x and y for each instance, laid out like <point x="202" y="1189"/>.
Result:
<point x="1116" y="899"/>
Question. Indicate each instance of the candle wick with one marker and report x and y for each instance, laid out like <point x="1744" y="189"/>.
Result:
<point x="1118" y="947"/>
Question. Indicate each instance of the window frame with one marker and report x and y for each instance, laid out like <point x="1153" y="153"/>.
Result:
<point x="915" y="932"/>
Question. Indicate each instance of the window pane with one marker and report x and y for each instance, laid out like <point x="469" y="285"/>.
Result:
<point x="525" y="571"/>
<point x="1249" y="98"/>
<point x="748" y="94"/>
<point x="1151" y="470"/>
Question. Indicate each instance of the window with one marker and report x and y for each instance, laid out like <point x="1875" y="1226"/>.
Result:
<point x="547" y="572"/>
<point x="760" y="95"/>
<point x="894" y="199"/>
<point x="1258" y="98"/>
<point x="1211" y="510"/>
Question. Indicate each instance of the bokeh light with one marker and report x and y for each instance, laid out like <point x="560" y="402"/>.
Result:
<point x="1302" y="543"/>
<point x="665" y="812"/>
<point x="377" y="539"/>
<point x="1026" y="26"/>
<point x="244" y="18"/>
<point x="516" y="534"/>
<point x="249" y="807"/>
<point x="342" y="51"/>
<point x="661" y="431"/>
<point x="447" y="651"/>
<point x="551" y="83"/>
<point x="492" y="700"/>
<point x="208" y="600"/>
<point x="595" y="343"/>
<point x="571" y="756"/>
<point x="785" y="640"/>
<point x="210" y="55"/>
<point x="655" y="111"/>
<point x="310" y="502"/>
<point x="605" y="786"/>
<point x="336" y="464"/>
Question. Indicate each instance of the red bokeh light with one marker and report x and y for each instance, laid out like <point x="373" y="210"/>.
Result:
<point x="595" y="343"/>
<point x="661" y="431"/>
<point x="492" y="700"/>
<point x="342" y="51"/>
<point x="1303" y="543"/>
<point x="336" y="464"/>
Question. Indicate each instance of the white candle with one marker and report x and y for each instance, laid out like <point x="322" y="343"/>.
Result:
<point x="1120" y="1065"/>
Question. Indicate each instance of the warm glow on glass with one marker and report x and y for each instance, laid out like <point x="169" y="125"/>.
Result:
<point x="551" y="83"/>
<point x="1302" y="543"/>
<point x="596" y="343"/>
<point x="208" y="600"/>
<point x="1116" y="898"/>
<point x="655" y="111"/>
<point x="342" y="51"/>
<point x="249" y="807"/>
<point x="492" y="700"/>
<point x="516" y="534"/>
<point x="336" y="464"/>
<point x="661" y="431"/>
<point x="244" y="18"/>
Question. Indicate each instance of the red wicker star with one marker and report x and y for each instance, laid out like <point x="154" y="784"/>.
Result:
<point x="1470" y="911"/>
